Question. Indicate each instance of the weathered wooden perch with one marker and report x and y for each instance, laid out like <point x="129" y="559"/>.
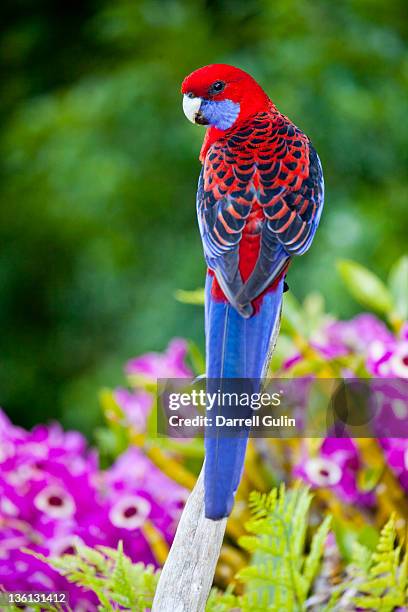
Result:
<point x="188" y="573"/>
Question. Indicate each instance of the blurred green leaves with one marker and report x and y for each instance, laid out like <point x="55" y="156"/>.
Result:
<point x="390" y="301"/>
<point x="366" y="287"/>
<point x="398" y="283"/>
<point x="195" y="297"/>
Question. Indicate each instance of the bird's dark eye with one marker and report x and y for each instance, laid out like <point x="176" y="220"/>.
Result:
<point x="217" y="87"/>
<point x="190" y="95"/>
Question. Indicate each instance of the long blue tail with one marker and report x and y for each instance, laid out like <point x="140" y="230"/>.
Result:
<point x="236" y="348"/>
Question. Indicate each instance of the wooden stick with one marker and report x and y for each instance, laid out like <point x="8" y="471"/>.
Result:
<point x="188" y="573"/>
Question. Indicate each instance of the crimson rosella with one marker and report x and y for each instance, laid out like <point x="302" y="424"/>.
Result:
<point x="259" y="201"/>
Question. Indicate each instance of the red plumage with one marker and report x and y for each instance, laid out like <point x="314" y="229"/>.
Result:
<point x="261" y="187"/>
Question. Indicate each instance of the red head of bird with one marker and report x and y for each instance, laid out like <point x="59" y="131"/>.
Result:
<point x="221" y="96"/>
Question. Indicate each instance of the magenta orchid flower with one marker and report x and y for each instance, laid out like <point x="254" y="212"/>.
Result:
<point x="135" y="405"/>
<point x="53" y="496"/>
<point x="396" y="453"/>
<point x="170" y="364"/>
<point x="336" y="467"/>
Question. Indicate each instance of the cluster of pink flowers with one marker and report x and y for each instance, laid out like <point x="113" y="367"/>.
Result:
<point x="147" y="369"/>
<point x="53" y="495"/>
<point x="336" y="468"/>
<point x="385" y="357"/>
<point x="385" y="354"/>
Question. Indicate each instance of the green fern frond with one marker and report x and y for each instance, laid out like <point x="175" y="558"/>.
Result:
<point x="403" y="574"/>
<point x="255" y="602"/>
<point x="222" y="602"/>
<point x="121" y="582"/>
<point x="110" y="574"/>
<point x="361" y="559"/>
<point x="312" y="561"/>
<point x="381" y="578"/>
<point x="269" y="574"/>
<point x="280" y="573"/>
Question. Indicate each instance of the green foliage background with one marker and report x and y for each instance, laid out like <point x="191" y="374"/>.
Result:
<point x="99" y="170"/>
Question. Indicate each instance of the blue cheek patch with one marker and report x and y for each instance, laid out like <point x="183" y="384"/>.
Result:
<point x="220" y="114"/>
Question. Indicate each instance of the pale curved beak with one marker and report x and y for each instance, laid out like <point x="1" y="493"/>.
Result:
<point x="191" y="107"/>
